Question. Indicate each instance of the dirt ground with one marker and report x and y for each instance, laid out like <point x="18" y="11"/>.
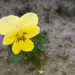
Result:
<point x="61" y="32"/>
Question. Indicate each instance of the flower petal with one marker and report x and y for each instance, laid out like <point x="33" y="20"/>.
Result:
<point x="27" y="45"/>
<point x="28" y="19"/>
<point x="9" y="38"/>
<point x="31" y="31"/>
<point x="16" y="47"/>
<point x="8" y="23"/>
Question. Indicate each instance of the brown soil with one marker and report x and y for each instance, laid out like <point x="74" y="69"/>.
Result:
<point x="61" y="32"/>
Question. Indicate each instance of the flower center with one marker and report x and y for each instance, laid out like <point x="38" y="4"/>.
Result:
<point x="21" y="36"/>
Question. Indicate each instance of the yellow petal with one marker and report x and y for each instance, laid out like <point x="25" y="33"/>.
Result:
<point x="28" y="19"/>
<point x="8" y="23"/>
<point x="16" y="47"/>
<point x="9" y="38"/>
<point x="27" y="45"/>
<point x="31" y="31"/>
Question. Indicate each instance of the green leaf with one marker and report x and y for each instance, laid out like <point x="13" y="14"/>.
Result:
<point x="35" y="61"/>
<point x="13" y="59"/>
<point x="63" y="10"/>
<point x="69" y="13"/>
<point x="44" y="32"/>
<point x="40" y="38"/>
<point x="38" y="48"/>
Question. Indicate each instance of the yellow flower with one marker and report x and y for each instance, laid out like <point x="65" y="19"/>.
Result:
<point x="19" y="31"/>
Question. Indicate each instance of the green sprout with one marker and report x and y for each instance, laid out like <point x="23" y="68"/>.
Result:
<point x="64" y="11"/>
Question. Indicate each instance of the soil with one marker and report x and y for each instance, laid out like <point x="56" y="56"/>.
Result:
<point x="61" y="32"/>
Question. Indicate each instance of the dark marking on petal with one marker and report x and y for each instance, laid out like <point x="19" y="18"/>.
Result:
<point x="21" y="38"/>
<point x="24" y="33"/>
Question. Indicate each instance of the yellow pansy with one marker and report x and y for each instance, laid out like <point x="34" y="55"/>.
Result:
<point x="19" y="31"/>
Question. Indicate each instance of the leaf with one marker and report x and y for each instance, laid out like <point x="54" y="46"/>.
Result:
<point x="69" y="13"/>
<point x="64" y="11"/>
<point x="35" y="61"/>
<point x="40" y="38"/>
<point x="44" y="32"/>
<point x="38" y="48"/>
<point x="13" y="59"/>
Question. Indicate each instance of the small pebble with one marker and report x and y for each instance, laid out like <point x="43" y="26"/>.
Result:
<point x="41" y="71"/>
<point x="42" y="58"/>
